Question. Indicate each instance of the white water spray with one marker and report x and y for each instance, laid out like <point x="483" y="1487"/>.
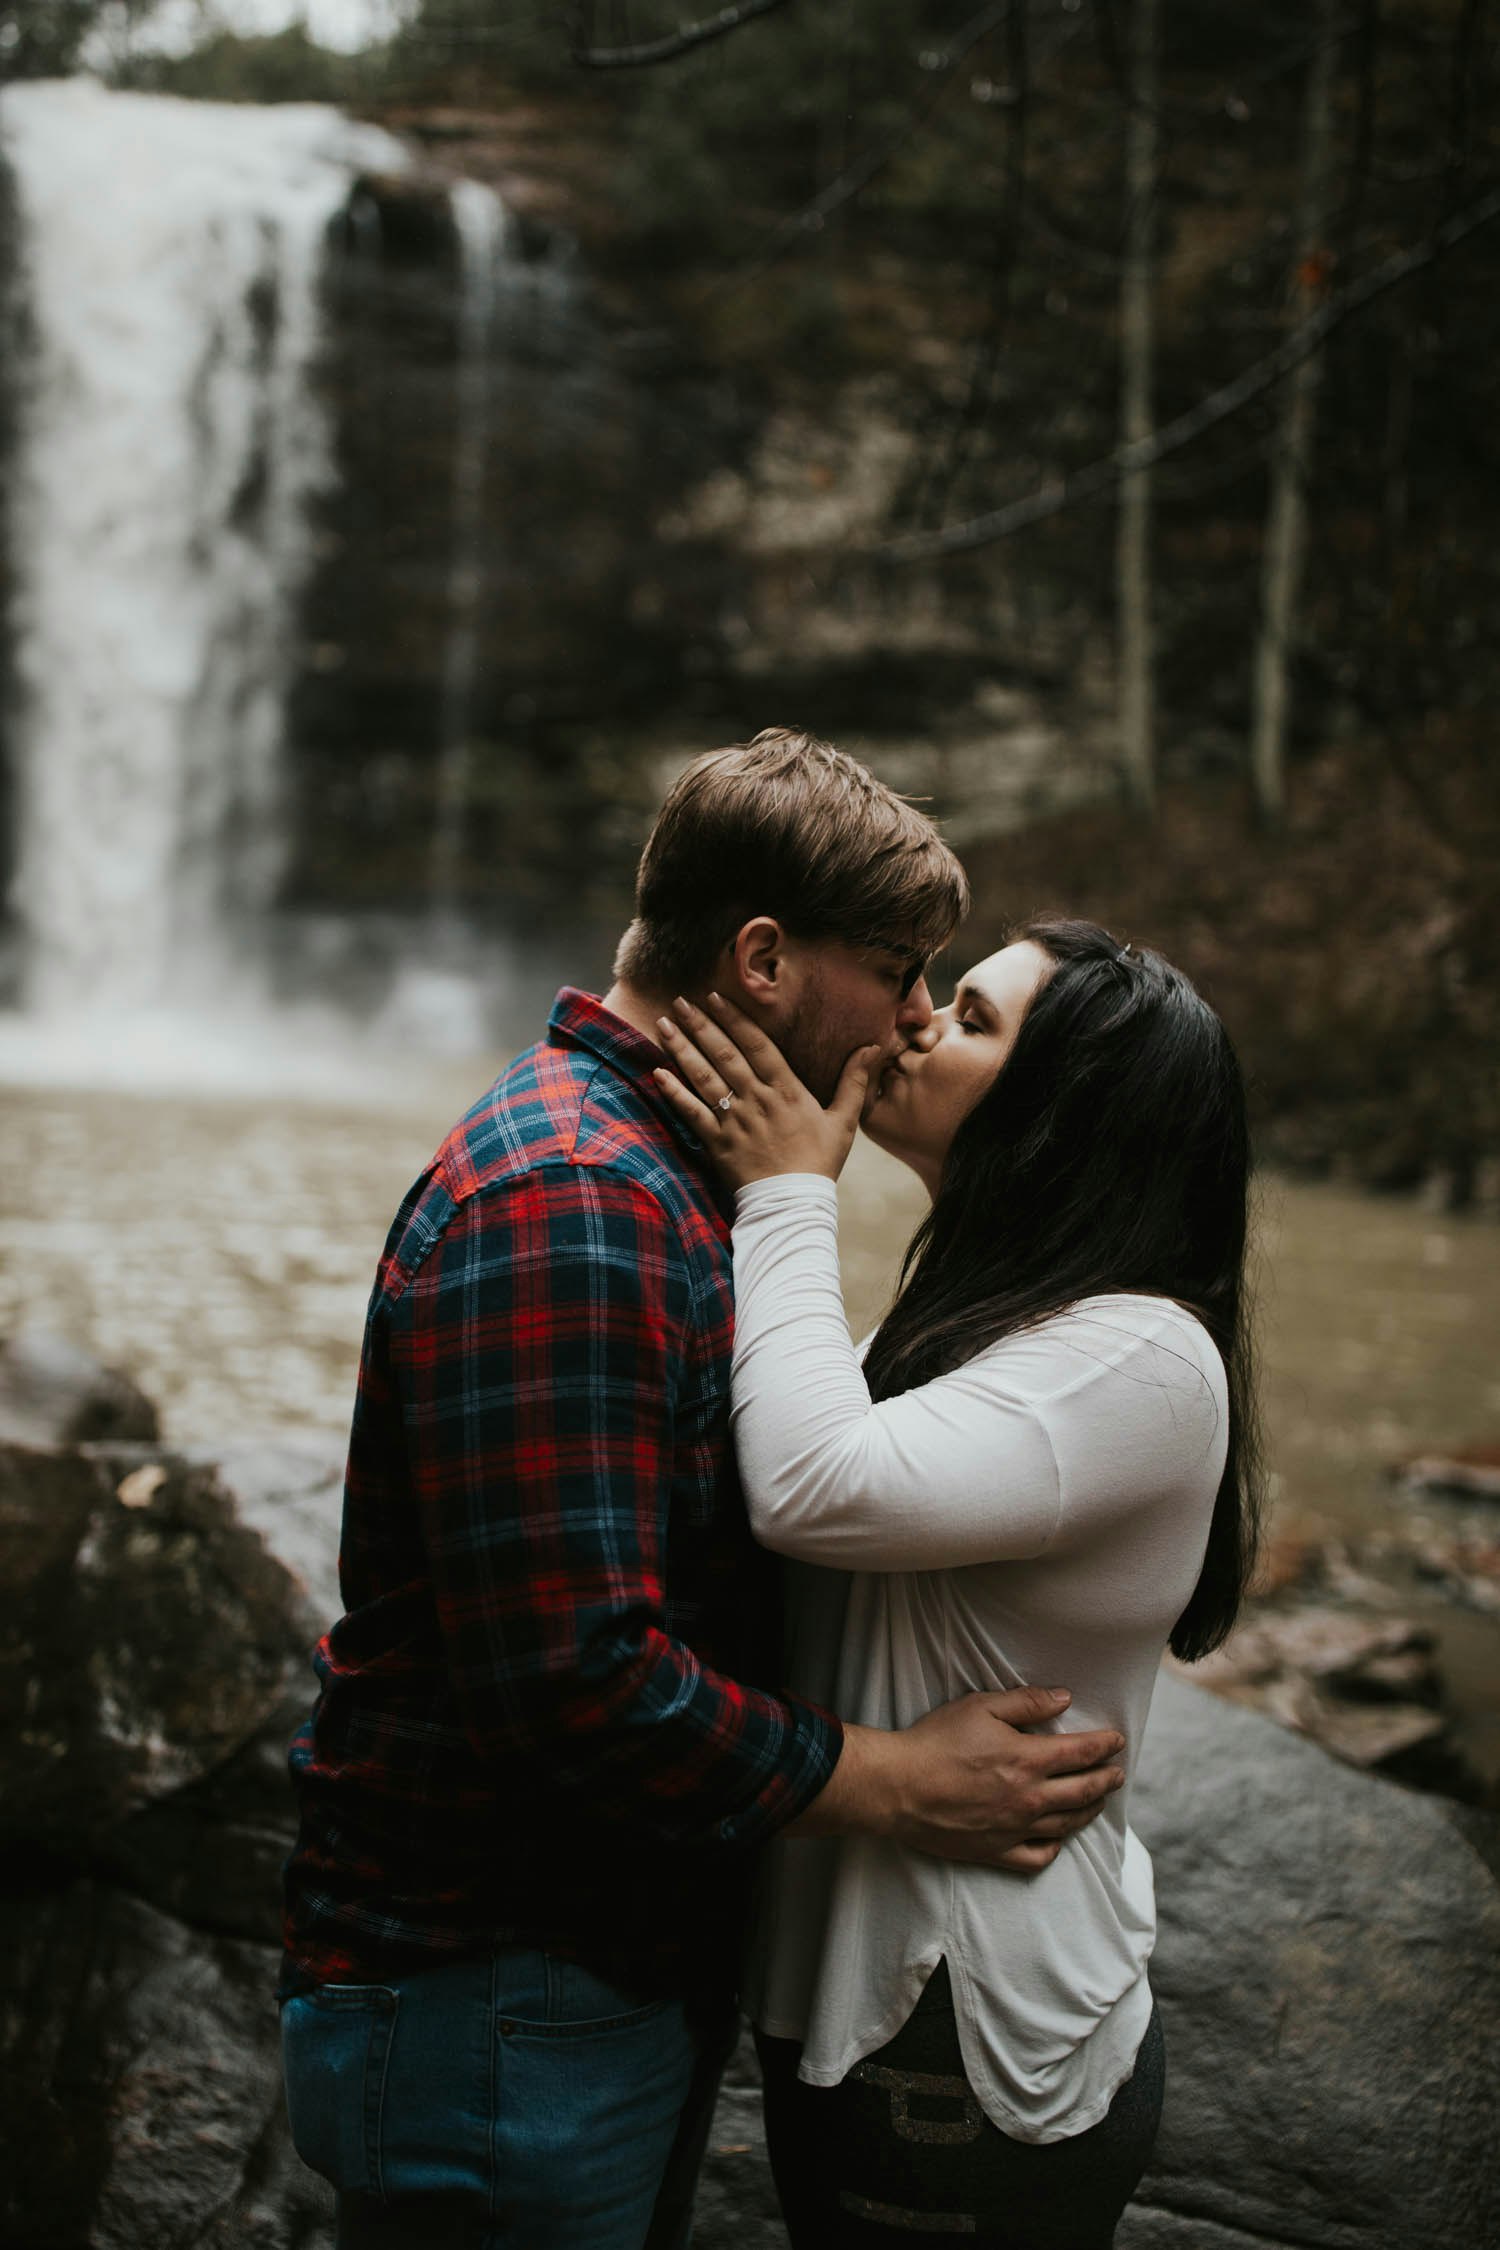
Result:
<point x="169" y="443"/>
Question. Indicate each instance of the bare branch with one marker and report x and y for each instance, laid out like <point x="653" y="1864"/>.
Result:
<point x="682" y="41"/>
<point x="1100" y="477"/>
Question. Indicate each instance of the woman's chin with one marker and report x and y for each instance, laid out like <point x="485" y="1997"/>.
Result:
<point x="870" y="1122"/>
<point x="876" y="1127"/>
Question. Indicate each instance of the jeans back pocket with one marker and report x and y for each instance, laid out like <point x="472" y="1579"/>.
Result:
<point x="335" y="2051"/>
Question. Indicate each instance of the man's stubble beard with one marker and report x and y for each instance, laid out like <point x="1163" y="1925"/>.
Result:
<point x="816" y="1047"/>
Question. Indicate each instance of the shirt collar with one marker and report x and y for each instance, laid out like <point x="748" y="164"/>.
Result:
<point x="580" y="1020"/>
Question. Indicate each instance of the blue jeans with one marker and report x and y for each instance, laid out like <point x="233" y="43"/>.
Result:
<point x="513" y="2100"/>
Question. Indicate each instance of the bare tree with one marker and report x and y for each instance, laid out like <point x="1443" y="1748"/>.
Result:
<point x="1291" y="460"/>
<point x="1100" y="478"/>
<point x="1137" y="344"/>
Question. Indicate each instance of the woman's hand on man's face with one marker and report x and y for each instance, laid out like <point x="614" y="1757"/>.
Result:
<point x="735" y="1089"/>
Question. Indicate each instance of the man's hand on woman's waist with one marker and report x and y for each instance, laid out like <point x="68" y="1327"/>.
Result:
<point x="967" y="1783"/>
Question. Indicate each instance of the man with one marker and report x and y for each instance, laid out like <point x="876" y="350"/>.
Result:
<point x="549" y="1739"/>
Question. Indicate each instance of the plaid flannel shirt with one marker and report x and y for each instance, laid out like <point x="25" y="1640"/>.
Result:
<point x="535" y="1722"/>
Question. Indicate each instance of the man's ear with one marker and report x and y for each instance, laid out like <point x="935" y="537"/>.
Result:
<point x="757" y="965"/>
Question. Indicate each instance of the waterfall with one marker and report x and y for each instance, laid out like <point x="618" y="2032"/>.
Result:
<point x="439" y="999"/>
<point x="479" y="224"/>
<point x="169" y="443"/>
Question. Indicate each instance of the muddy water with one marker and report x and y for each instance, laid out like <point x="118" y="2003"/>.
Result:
<point x="222" y="1250"/>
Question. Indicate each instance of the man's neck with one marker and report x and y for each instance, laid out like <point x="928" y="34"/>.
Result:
<point x="639" y="1009"/>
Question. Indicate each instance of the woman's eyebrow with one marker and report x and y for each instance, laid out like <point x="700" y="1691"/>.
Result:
<point x="971" y="995"/>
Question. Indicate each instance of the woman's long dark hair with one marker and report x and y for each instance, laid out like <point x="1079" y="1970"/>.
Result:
<point x="1111" y="1153"/>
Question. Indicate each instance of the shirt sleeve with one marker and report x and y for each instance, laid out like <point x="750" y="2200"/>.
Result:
<point x="958" y="1471"/>
<point x="1039" y="1441"/>
<point x="539" y="1356"/>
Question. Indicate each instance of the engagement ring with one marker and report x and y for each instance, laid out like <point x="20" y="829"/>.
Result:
<point x="723" y="1102"/>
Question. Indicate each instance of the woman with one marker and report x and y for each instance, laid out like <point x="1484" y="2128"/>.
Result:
<point x="1045" y="1471"/>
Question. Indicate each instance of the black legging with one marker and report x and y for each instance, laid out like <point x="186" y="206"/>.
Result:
<point x="901" y="2153"/>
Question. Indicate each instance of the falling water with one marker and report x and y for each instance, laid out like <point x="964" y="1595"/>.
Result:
<point x="169" y="442"/>
<point x="479" y="223"/>
<point x="439" y="998"/>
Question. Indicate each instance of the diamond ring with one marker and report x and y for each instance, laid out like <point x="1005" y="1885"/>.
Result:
<point x="722" y="1104"/>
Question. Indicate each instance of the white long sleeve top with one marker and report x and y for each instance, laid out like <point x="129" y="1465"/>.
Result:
<point x="1038" y="1516"/>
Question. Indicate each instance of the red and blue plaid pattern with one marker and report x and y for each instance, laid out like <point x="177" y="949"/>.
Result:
<point x="534" y="1724"/>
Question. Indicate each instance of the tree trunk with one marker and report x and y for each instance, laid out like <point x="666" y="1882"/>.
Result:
<point x="1137" y="341"/>
<point x="1291" y="460"/>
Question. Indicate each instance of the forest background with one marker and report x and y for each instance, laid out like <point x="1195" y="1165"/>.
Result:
<point x="980" y="255"/>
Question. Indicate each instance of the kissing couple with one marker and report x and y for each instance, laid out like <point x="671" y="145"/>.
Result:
<point x="697" y="1659"/>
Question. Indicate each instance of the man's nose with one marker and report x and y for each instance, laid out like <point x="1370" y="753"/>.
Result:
<point x="914" y="1016"/>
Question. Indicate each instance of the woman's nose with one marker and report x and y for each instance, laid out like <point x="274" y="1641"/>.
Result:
<point x="925" y="1036"/>
<point x="915" y="1012"/>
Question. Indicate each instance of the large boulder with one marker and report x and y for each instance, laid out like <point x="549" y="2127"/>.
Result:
<point x="211" y="1851"/>
<point x="140" y="2089"/>
<point x="145" y="1635"/>
<point x="1328" y="1968"/>
<point x="156" y="1616"/>
<point x="290" y="1492"/>
<point x="52" y="1392"/>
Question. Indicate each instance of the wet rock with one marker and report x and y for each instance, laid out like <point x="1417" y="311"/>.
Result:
<point x="212" y="1852"/>
<point x="291" y="1492"/>
<point x="1364" y="1687"/>
<point x="1328" y="1969"/>
<point x="145" y="1636"/>
<point x="1287" y="1559"/>
<point x="140" y="2091"/>
<point x="1320" y="1643"/>
<point x="737" y="2207"/>
<point x="54" y="1393"/>
<point x="1362" y="1734"/>
<point x="156" y="1616"/>
<point x="1470" y="1472"/>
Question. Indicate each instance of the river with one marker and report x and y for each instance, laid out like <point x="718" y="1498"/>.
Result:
<point x="221" y="1248"/>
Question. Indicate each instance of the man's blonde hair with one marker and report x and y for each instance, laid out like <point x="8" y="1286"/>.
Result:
<point x="788" y="826"/>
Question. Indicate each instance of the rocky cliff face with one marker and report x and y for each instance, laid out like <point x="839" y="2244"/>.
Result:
<point x="667" y="557"/>
<point x="580" y="612"/>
